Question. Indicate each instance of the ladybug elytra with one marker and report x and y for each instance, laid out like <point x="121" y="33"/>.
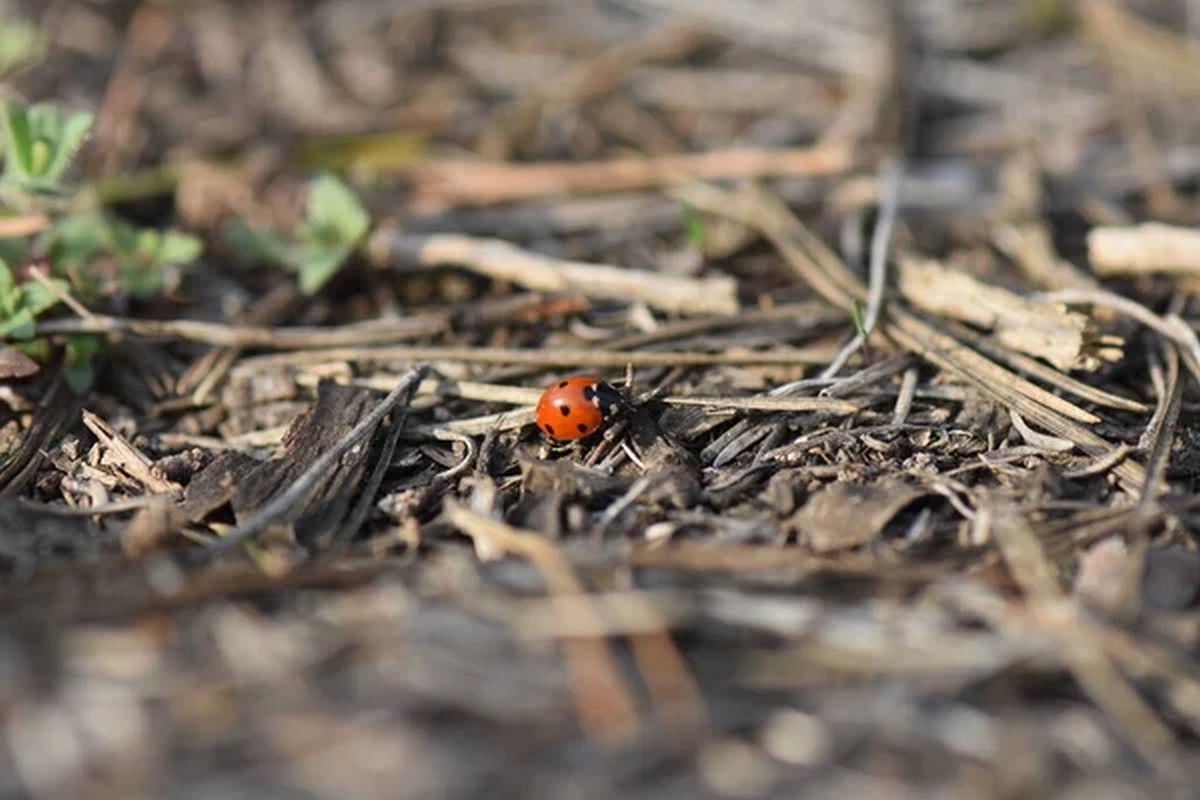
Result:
<point x="574" y="408"/>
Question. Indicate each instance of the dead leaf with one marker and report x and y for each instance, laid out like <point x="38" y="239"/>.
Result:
<point x="1045" y="330"/>
<point x="848" y="515"/>
<point x="15" y="364"/>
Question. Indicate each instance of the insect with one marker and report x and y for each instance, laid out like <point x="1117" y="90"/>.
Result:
<point x="574" y="408"/>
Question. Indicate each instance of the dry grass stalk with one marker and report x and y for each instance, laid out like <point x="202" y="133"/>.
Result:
<point x="502" y="261"/>
<point x="589" y="81"/>
<point x="525" y="395"/>
<point x="1151" y="247"/>
<point x="570" y="358"/>
<point x="444" y="184"/>
<point x="1036" y="369"/>
<point x="705" y="557"/>
<point x="825" y="405"/>
<point x="238" y="336"/>
<point x="1041" y="441"/>
<point x="811" y="259"/>
<point x="814" y="262"/>
<point x="1144" y="63"/>
<point x="1032" y="402"/>
<point x="1169" y="326"/>
<point x="1045" y="330"/>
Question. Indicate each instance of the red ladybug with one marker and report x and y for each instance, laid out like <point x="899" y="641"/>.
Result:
<point x="576" y="407"/>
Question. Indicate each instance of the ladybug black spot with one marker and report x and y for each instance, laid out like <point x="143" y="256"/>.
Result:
<point x="548" y="428"/>
<point x="582" y="428"/>
<point x="565" y="410"/>
<point x="562" y="385"/>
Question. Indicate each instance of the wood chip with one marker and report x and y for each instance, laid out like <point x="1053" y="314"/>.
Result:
<point x="1142" y="249"/>
<point x="1045" y="330"/>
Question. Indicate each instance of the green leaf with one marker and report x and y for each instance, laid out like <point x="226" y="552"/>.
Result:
<point x="335" y="223"/>
<point x="14" y="251"/>
<point x="18" y="326"/>
<point x="177" y="249"/>
<point x="694" y="226"/>
<point x="318" y="267"/>
<point x="19" y="137"/>
<point x="147" y="259"/>
<point x="122" y="239"/>
<point x="142" y="281"/>
<point x="335" y="217"/>
<point x="38" y="297"/>
<point x="80" y="371"/>
<point x="38" y="349"/>
<point x="21" y="304"/>
<point x="40" y="155"/>
<point x="860" y="323"/>
<point x="253" y="245"/>
<point x="41" y="145"/>
<point x="76" y="239"/>
<point x="70" y="139"/>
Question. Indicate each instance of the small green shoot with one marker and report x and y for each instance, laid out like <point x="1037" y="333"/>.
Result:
<point x="148" y="261"/>
<point x="80" y="371"/>
<point x="93" y="255"/>
<point x="22" y="303"/>
<point x="334" y="225"/>
<point x="40" y="144"/>
<point x="694" y="226"/>
<point x="859" y="321"/>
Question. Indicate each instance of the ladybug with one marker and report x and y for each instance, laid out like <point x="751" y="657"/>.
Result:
<point x="576" y="407"/>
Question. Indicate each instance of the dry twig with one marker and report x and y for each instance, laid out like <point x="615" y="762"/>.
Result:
<point x="442" y="184"/>
<point x="1147" y="248"/>
<point x="502" y="261"/>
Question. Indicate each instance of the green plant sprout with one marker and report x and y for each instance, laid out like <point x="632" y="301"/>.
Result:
<point x="694" y="226"/>
<point x="859" y="320"/>
<point x="334" y="225"/>
<point x="22" y="303"/>
<point x="90" y="253"/>
<point x="40" y="144"/>
<point x="148" y="261"/>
